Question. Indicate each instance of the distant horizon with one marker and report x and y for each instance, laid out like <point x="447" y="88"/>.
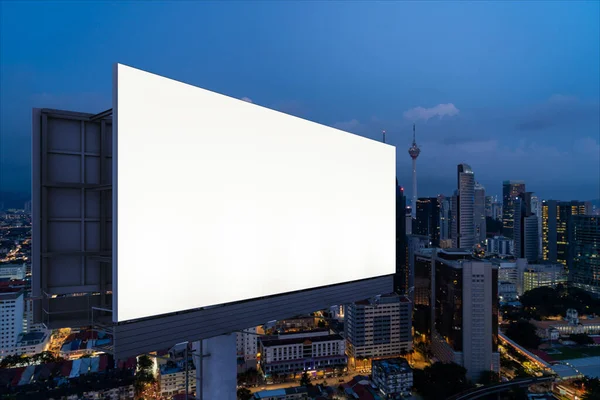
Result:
<point x="499" y="86"/>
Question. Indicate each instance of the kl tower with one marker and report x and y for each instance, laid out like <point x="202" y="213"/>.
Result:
<point x="414" y="152"/>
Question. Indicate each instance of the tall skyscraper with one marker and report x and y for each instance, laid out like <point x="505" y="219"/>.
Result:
<point x="489" y="200"/>
<point x="497" y="210"/>
<point x="428" y="219"/>
<point x="584" y="239"/>
<point x="525" y="228"/>
<point x="454" y="219"/>
<point x="479" y="211"/>
<point x="465" y="204"/>
<point x="464" y="312"/>
<point x="401" y="276"/>
<point x="536" y="208"/>
<point x="414" y="152"/>
<point x="556" y="216"/>
<point x="510" y="191"/>
<point x="445" y="215"/>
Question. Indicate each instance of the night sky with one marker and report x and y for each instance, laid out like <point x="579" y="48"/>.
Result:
<point x="512" y="89"/>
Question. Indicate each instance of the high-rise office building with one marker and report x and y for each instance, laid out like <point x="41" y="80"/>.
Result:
<point x="555" y="228"/>
<point x="463" y="308"/>
<point x="379" y="327"/>
<point x="479" y="210"/>
<point x="401" y="275"/>
<point x="445" y="215"/>
<point x="497" y="210"/>
<point x="463" y="203"/>
<point x="510" y="191"/>
<point x="427" y="222"/>
<point x="409" y="220"/>
<point x="584" y="240"/>
<point x="489" y="200"/>
<point x="536" y="208"/>
<point x="525" y="228"/>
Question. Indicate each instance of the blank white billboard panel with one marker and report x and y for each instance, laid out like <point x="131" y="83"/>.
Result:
<point x="219" y="200"/>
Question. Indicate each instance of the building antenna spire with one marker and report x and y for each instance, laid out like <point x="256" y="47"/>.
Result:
<point x="383" y="131"/>
<point x="414" y="136"/>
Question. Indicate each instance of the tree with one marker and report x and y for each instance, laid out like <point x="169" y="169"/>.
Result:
<point x="581" y="338"/>
<point x="592" y="389"/>
<point x="305" y="379"/>
<point x="321" y="324"/>
<point x="524" y="333"/>
<point x="244" y="394"/>
<point x="145" y="363"/>
<point x="489" y="377"/>
<point x="441" y="380"/>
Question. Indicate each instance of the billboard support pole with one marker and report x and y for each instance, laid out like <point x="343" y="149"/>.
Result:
<point x="187" y="377"/>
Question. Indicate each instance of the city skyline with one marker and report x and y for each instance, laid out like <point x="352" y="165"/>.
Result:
<point x="506" y="100"/>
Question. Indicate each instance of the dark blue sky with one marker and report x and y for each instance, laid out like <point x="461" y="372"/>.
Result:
<point x="512" y="89"/>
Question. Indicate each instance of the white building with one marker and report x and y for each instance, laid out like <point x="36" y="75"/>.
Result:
<point x="11" y="270"/>
<point x="464" y="234"/>
<point x="393" y="377"/>
<point x="507" y="291"/>
<point x="172" y="378"/>
<point x="32" y="343"/>
<point x="290" y="353"/>
<point x="246" y="348"/>
<point x="380" y="327"/>
<point x="11" y="320"/>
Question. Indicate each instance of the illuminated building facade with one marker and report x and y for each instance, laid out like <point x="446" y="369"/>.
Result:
<point x="510" y="191"/>
<point x="584" y="268"/>
<point x="525" y="228"/>
<point x="463" y="207"/>
<point x="428" y="219"/>
<point x="555" y="228"/>
<point x="379" y="327"/>
<point x="465" y="315"/>
<point x="318" y="350"/>
<point x="540" y="275"/>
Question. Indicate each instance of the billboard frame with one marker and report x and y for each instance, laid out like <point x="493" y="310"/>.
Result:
<point x="91" y="250"/>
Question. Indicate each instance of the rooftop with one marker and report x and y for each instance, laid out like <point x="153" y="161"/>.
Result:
<point x="267" y="342"/>
<point x="392" y="365"/>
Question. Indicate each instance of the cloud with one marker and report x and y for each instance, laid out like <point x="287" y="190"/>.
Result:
<point x="247" y="99"/>
<point x="440" y="111"/>
<point x="559" y="111"/>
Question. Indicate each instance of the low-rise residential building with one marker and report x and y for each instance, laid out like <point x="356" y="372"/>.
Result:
<point x="393" y="377"/>
<point x="318" y="350"/>
<point x="32" y="343"/>
<point x="172" y="378"/>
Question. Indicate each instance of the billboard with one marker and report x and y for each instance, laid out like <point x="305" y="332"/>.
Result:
<point x="217" y="200"/>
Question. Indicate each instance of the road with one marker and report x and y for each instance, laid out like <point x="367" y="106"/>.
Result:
<point x="498" y="387"/>
<point x="335" y="382"/>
